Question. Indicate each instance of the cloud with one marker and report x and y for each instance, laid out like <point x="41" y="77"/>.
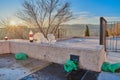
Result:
<point x="88" y="18"/>
<point x="113" y="18"/>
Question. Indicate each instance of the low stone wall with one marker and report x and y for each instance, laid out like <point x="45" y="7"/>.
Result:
<point x="4" y="47"/>
<point x="89" y="58"/>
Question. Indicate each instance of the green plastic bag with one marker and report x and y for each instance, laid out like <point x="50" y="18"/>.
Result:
<point x="114" y="67"/>
<point x="21" y="56"/>
<point x="105" y="67"/>
<point x="111" y="67"/>
<point x="70" y="66"/>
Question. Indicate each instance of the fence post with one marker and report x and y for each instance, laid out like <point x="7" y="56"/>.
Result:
<point x="103" y="25"/>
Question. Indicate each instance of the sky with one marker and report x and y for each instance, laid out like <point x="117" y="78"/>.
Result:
<point x="87" y="11"/>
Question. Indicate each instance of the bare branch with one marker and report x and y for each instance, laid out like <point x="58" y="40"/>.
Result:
<point x="4" y="22"/>
<point x="49" y="14"/>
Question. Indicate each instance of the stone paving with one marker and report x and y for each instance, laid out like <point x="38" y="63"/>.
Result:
<point x="31" y="69"/>
<point x="12" y="69"/>
<point x="56" y="72"/>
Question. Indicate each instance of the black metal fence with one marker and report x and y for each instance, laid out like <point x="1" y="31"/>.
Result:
<point x="113" y="36"/>
<point x="110" y="35"/>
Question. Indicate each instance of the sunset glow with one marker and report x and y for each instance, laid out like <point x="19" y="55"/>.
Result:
<point x="13" y="23"/>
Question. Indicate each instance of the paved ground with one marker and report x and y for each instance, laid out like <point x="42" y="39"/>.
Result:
<point x="11" y="69"/>
<point x="56" y="72"/>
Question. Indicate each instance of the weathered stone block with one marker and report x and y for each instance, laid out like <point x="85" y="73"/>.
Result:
<point x="4" y="47"/>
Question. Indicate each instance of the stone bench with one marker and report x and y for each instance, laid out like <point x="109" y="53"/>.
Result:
<point x="90" y="58"/>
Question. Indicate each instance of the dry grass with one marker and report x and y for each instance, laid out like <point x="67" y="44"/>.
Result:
<point x="21" y="32"/>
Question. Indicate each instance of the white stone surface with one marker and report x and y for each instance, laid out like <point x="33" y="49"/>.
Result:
<point x="51" y="38"/>
<point x="39" y="37"/>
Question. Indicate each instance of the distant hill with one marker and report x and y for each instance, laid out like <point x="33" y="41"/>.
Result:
<point x="78" y="30"/>
<point x="75" y="30"/>
<point x="81" y="26"/>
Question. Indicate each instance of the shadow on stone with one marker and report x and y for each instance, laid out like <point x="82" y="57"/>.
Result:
<point x="51" y="72"/>
<point x="76" y="75"/>
<point x="91" y="75"/>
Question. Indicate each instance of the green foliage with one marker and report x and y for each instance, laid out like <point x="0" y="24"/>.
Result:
<point x="87" y="31"/>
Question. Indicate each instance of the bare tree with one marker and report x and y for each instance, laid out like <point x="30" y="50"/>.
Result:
<point x="48" y="14"/>
<point x="4" y="22"/>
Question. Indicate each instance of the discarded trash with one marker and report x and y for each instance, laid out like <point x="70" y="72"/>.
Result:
<point x="51" y="38"/>
<point x="21" y="56"/>
<point x="39" y="37"/>
<point x="105" y="67"/>
<point x="111" y="67"/>
<point x="105" y="57"/>
<point x="5" y="38"/>
<point x="31" y="36"/>
<point x="70" y="66"/>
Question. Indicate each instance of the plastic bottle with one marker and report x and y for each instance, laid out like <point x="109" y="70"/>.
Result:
<point x="31" y="36"/>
